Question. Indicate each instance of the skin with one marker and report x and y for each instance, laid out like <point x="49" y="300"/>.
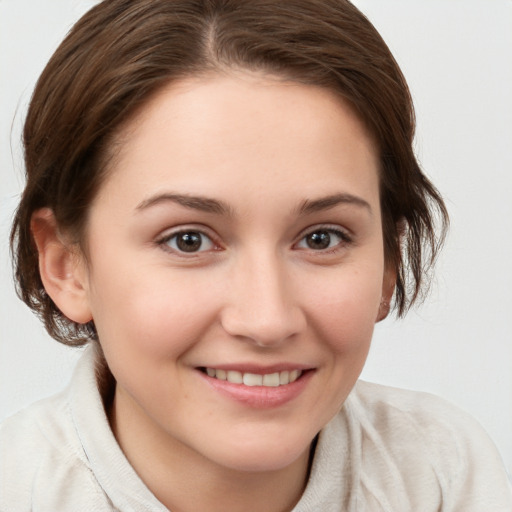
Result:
<point x="255" y="293"/>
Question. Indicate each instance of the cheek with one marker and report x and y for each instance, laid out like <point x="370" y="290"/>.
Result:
<point x="344" y="310"/>
<point x="150" y="313"/>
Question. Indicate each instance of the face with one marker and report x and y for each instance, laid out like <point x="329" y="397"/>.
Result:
<point x="235" y="266"/>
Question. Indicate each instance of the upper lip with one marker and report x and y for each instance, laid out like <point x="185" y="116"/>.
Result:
<point x="259" y="369"/>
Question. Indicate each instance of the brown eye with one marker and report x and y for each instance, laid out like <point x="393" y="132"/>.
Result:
<point x="189" y="241"/>
<point x="318" y="240"/>
<point x="322" y="239"/>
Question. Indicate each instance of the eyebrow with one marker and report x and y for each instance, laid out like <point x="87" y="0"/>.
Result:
<point x="203" y="204"/>
<point x="208" y="205"/>
<point x="324" y="203"/>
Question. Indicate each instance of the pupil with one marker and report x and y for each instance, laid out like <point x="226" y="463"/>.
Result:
<point x="318" y="240"/>
<point x="189" y="242"/>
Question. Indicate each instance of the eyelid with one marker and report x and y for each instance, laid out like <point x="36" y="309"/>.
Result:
<point x="344" y="233"/>
<point x="167" y="235"/>
<point x="326" y="227"/>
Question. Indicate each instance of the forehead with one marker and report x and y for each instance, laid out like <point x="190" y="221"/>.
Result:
<point x="218" y="134"/>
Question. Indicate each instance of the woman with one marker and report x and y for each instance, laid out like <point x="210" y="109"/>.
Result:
<point x="222" y="200"/>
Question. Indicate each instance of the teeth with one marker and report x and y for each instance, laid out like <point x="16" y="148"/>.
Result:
<point x="235" y="377"/>
<point x="270" y="380"/>
<point x="251" y="379"/>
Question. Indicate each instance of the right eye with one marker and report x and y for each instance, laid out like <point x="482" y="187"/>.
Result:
<point x="188" y="241"/>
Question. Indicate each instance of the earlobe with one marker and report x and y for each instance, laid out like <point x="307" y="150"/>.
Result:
<point x="388" y="288"/>
<point x="62" y="271"/>
<point x="384" y="309"/>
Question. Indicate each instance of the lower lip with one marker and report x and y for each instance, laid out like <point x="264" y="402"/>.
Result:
<point x="260" y="397"/>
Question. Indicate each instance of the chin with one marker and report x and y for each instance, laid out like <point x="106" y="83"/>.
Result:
<point x="259" y="456"/>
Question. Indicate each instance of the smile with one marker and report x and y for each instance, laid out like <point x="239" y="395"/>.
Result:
<point x="270" y="380"/>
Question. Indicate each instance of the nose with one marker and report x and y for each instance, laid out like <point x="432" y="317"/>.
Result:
<point x="262" y="307"/>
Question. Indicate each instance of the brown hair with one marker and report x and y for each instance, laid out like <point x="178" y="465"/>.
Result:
<point x="122" y="51"/>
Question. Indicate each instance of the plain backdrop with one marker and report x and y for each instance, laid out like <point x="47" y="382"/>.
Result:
<point x="457" y="57"/>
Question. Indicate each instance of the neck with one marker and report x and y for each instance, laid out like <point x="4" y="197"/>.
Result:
<point x="185" y="481"/>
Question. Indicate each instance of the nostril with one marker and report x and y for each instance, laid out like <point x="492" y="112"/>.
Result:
<point x="264" y="328"/>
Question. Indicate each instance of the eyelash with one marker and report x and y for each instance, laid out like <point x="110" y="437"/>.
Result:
<point x="344" y="239"/>
<point x="165" y="242"/>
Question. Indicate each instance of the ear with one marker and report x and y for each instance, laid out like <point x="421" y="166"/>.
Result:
<point x="63" y="271"/>
<point x="388" y="288"/>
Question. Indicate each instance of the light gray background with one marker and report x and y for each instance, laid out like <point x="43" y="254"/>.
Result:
<point x="457" y="57"/>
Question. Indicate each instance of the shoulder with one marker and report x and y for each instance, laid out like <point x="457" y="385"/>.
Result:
<point x="43" y="426"/>
<point x="42" y="461"/>
<point x="433" y="448"/>
<point x="418" y="415"/>
<point x="429" y="414"/>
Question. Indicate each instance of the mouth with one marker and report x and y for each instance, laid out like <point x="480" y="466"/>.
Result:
<point x="269" y="380"/>
<point x="258" y="388"/>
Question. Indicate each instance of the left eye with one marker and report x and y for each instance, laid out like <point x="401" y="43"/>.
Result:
<point x="322" y="239"/>
<point x="189" y="241"/>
